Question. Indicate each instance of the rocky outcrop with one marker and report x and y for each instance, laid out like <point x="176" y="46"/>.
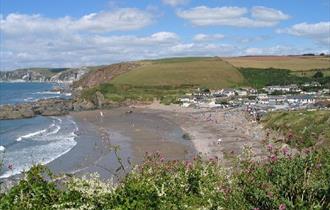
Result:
<point x="98" y="99"/>
<point x="46" y="107"/>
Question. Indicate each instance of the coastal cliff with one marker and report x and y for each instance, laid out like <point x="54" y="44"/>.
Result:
<point x="60" y="75"/>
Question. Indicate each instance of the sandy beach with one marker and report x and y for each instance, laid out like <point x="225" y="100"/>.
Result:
<point x="134" y="131"/>
<point x="150" y="128"/>
<point x="215" y="132"/>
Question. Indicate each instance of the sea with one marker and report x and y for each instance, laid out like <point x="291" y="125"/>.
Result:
<point x="38" y="140"/>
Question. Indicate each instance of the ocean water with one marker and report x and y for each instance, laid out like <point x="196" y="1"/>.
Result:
<point x="25" y="142"/>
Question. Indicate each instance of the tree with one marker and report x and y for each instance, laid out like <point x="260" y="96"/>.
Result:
<point x="318" y="74"/>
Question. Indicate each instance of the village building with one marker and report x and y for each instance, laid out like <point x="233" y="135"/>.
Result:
<point x="301" y="99"/>
<point x="228" y="92"/>
<point x="262" y="98"/>
<point x="284" y="89"/>
<point x="241" y="92"/>
<point x="276" y="100"/>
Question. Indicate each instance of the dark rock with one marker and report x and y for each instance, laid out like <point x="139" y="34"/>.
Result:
<point x="98" y="99"/>
<point x="81" y="105"/>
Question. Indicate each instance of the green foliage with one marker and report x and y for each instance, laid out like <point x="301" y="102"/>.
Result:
<point x="301" y="128"/>
<point x="318" y="74"/>
<point x="282" y="180"/>
<point x="33" y="192"/>
<point x="259" y="78"/>
<point x="121" y="93"/>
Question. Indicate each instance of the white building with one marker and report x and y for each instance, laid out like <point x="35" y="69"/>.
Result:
<point x="301" y="99"/>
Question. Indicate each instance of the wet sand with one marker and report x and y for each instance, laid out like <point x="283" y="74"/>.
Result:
<point x="135" y="133"/>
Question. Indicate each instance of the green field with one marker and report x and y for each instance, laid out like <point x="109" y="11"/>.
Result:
<point x="204" y="72"/>
<point x="293" y="63"/>
<point x="307" y="127"/>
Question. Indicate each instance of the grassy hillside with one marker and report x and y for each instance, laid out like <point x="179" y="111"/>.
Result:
<point x="206" y="72"/>
<point x="294" y="63"/>
<point x="301" y="128"/>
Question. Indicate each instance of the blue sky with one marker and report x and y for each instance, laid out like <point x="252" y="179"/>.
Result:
<point x="74" y="33"/>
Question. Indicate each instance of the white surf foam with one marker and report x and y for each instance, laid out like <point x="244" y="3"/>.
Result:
<point x="49" y="92"/>
<point x="55" y="131"/>
<point x="56" y="142"/>
<point x="2" y="148"/>
<point x="41" y="155"/>
<point x="29" y="135"/>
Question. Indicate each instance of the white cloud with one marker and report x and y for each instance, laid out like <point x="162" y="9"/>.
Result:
<point x="277" y="50"/>
<point x="233" y="16"/>
<point x="72" y="50"/>
<point x="208" y="37"/>
<point x="319" y="32"/>
<point x="117" y="20"/>
<point x="268" y="14"/>
<point x="174" y="3"/>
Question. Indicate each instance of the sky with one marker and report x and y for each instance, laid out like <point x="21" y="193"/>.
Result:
<point x="72" y="33"/>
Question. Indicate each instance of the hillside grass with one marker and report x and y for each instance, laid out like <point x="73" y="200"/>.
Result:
<point x="293" y="63"/>
<point x="301" y="128"/>
<point x="128" y="93"/>
<point x="204" y="72"/>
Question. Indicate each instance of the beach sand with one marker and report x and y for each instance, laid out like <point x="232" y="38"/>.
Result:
<point x="150" y="128"/>
<point x="215" y="132"/>
<point x="135" y="133"/>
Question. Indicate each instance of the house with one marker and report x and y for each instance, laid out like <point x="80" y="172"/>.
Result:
<point x="312" y="84"/>
<point x="284" y="89"/>
<point x="301" y="99"/>
<point x="276" y="100"/>
<point x="262" y="98"/>
<point x="242" y="92"/>
<point x="228" y="92"/>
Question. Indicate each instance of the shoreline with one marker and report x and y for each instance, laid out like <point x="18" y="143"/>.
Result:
<point x="134" y="133"/>
<point x="149" y="128"/>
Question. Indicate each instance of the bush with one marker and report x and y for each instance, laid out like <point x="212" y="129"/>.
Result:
<point x="282" y="181"/>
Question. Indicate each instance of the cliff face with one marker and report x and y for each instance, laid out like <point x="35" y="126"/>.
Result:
<point x="43" y="75"/>
<point x="104" y="74"/>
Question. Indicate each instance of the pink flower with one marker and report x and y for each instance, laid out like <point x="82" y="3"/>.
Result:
<point x="273" y="158"/>
<point x="282" y="207"/>
<point x="256" y="209"/>
<point x="285" y="150"/>
<point x="270" y="147"/>
<point x="162" y="159"/>
<point x="290" y="136"/>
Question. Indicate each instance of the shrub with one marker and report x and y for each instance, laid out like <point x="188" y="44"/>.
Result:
<point x="282" y="181"/>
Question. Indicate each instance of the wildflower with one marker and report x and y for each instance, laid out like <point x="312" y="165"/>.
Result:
<point x="282" y="207"/>
<point x="285" y="150"/>
<point x="270" y="147"/>
<point x="256" y="209"/>
<point x="273" y="158"/>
